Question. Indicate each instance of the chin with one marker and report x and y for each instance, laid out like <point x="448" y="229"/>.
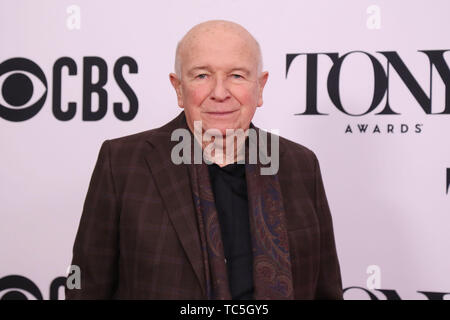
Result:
<point x="223" y="127"/>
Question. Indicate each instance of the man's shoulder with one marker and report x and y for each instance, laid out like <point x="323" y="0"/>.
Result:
<point x="130" y="145"/>
<point x="133" y="138"/>
<point x="297" y="163"/>
<point x="287" y="146"/>
<point x="295" y="149"/>
<point x="288" y="150"/>
<point x="139" y="138"/>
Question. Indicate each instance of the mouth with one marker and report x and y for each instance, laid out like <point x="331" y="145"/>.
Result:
<point x="221" y="113"/>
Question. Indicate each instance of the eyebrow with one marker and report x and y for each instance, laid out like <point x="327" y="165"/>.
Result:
<point x="192" y="70"/>
<point x="245" y="70"/>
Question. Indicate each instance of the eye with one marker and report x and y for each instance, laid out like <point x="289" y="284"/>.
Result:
<point x="201" y="76"/>
<point x="236" y="76"/>
<point x="23" y="89"/>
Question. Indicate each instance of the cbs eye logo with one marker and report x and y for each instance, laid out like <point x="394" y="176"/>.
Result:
<point x="24" y="88"/>
<point x="18" y="89"/>
<point x="16" y="287"/>
<point x="19" y="288"/>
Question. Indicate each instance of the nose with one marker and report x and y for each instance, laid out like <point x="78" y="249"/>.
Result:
<point x="220" y="91"/>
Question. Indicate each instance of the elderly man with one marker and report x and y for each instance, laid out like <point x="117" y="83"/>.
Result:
<point x="155" y="229"/>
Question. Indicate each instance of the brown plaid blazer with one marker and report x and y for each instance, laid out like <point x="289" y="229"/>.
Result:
<point x="138" y="236"/>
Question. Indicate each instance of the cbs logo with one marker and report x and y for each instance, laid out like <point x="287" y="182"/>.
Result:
<point x="24" y="88"/>
<point x="16" y="287"/>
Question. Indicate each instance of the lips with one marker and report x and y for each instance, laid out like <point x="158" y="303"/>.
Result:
<point x="220" y="113"/>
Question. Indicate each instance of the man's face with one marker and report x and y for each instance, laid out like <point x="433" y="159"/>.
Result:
<point x="219" y="84"/>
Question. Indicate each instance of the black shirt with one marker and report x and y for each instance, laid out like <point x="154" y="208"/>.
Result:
<point x="230" y="193"/>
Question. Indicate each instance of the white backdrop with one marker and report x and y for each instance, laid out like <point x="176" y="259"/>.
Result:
<point x="386" y="190"/>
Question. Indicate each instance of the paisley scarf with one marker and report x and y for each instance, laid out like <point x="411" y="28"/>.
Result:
<point x="272" y="276"/>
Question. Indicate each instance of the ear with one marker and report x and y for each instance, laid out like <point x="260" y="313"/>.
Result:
<point x="262" y="82"/>
<point x="176" y="83"/>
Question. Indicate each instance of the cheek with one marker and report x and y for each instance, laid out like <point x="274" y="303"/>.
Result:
<point x="194" y="96"/>
<point x="247" y="96"/>
<point x="248" y="101"/>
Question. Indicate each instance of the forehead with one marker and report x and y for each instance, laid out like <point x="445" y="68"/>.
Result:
<point x="220" y="50"/>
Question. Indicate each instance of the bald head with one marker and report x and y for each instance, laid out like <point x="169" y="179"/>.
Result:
<point x="213" y="29"/>
<point x="219" y="79"/>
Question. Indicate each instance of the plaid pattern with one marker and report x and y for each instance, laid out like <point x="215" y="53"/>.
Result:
<point x="138" y="236"/>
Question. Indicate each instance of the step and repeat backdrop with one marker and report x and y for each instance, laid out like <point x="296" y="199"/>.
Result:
<point x="365" y="84"/>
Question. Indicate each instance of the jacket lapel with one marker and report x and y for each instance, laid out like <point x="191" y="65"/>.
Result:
<point x="174" y="186"/>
